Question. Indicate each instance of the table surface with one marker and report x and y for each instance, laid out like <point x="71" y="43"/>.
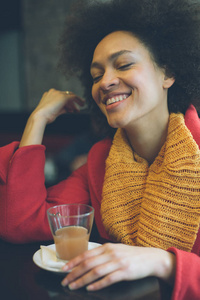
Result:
<point x="21" y="279"/>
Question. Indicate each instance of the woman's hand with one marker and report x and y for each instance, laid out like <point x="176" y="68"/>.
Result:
<point x="53" y="104"/>
<point x="112" y="263"/>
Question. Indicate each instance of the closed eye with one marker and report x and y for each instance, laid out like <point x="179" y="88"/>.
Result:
<point x="96" y="79"/>
<point x="122" y="68"/>
<point x="126" y="66"/>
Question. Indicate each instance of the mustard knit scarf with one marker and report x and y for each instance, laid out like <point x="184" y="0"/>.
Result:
<point x="156" y="206"/>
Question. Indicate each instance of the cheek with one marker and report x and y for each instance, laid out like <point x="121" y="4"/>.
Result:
<point x="95" y="94"/>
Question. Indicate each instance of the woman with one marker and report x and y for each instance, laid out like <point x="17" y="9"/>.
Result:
<point x="141" y="61"/>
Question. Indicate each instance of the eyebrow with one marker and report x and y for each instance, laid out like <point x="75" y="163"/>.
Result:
<point x="112" y="57"/>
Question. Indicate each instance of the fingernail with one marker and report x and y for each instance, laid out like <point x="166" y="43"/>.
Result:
<point x="65" y="268"/>
<point x="64" y="282"/>
<point x="72" y="286"/>
<point x="90" y="287"/>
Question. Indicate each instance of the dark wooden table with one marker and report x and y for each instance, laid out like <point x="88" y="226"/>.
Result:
<point x="21" y="279"/>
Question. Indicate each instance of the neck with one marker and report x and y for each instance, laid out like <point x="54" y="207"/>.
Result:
<point x="147" y="139"/>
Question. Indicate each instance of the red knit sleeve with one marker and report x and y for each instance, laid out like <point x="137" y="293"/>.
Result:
<point x="24" y="198"/>
<point x="187" y="281"/>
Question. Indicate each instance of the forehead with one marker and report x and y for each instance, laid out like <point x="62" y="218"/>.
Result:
<point x="117" y="41"/>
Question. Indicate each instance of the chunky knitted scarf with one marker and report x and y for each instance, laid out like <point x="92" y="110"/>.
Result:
<point x="157" y="205"/>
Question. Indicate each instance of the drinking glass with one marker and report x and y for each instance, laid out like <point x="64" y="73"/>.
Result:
<point x="71" y="225"/>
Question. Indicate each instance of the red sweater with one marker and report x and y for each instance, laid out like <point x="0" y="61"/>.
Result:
<point x="25" y="200"/>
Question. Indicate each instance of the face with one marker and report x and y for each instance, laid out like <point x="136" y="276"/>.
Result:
<point x="128" y="87"/>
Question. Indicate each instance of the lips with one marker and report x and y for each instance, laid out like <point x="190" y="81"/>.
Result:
<point x="116" y="99"/>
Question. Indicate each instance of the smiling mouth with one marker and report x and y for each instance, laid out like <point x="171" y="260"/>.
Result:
<point x="116" y="99"/>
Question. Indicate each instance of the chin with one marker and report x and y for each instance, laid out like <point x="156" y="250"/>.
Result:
<point x="115" y="124"/>
<point x="118" y="120"/>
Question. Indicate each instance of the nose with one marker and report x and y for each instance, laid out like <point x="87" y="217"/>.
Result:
<point x="109" y="80"/>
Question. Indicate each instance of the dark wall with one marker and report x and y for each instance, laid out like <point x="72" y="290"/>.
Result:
<point x="10" y="15"/>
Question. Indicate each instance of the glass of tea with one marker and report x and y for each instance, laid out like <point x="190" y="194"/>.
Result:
<point x="71" y="225"/>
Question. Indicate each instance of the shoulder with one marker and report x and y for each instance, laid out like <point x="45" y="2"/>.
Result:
<point x="100" y="150"/>
<point x="192" y="122"/>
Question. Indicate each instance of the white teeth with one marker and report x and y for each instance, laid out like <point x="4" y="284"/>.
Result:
<point x="116" y="99"/>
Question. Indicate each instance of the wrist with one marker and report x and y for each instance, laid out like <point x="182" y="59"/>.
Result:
<point x="37" y="119"/>
<point x="34" y="131"/>
<point x="166" y="269"/>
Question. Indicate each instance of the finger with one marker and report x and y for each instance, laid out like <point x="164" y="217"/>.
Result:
<point x="106" y="281"/>
<point x="95" y="273"/>
<point x="76" y="98"/>
<point x="82" y="257"/>
<point x="76" y="102"/>
<point x="79" y="101"/>
<point x="74" y="105"/>
<point x="71" y="107"/>
<point x="83" y="268"/>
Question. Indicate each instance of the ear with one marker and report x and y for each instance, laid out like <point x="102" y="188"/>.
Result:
<point x="168" y="82"/>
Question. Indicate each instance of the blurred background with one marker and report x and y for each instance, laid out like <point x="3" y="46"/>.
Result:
<point x="29" y="54"/>
<point x="29" y="34"/>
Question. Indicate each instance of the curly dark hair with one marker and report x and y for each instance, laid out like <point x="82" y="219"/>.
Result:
<point x="168" y="28"/>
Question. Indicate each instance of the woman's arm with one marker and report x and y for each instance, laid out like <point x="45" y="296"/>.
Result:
<point x="24" y="199"/>
<point x="53" y="104"/>
<point x="111" y="263"/>
<point x="187" y="277"/>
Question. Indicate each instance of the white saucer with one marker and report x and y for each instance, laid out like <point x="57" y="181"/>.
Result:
<point x="38" y="259"/>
